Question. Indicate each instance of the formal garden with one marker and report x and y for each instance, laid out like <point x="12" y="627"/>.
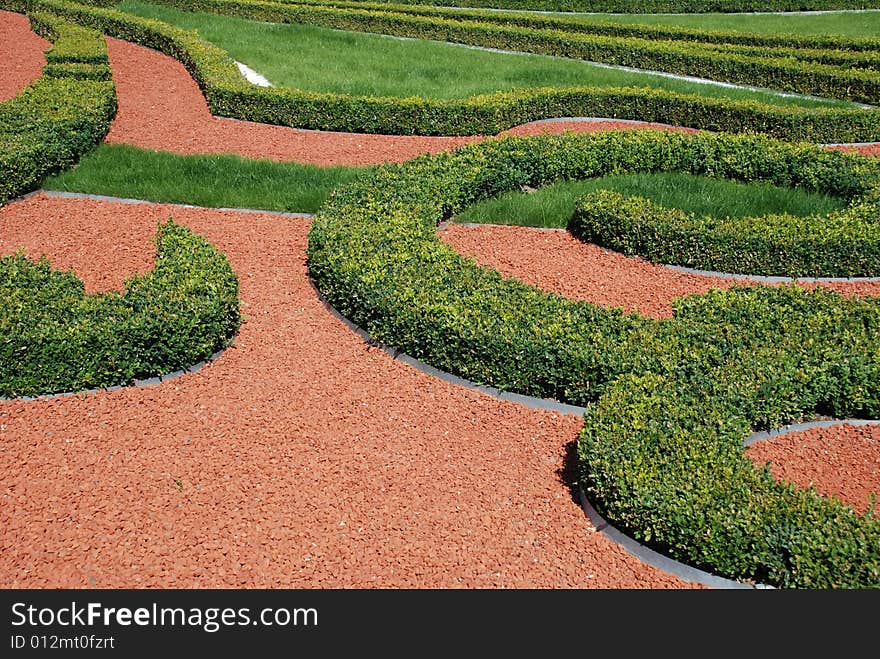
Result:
<point x="465" y="293"/>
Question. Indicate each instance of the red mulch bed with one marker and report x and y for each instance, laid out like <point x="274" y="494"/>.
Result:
<point x="842" y="461"/>
<point x="21" y="54"/>
<point x="301" y="458"/>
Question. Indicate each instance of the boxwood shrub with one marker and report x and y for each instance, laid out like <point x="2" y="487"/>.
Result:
<point x="57" y="338"/>
<point x="603" y="27"/>
<point x="790" y="70"/>
<point x="63" y="114"/>
<point x="228" y="94"/>
<point x="844" y="243"/>
<point x="654" y="6"/>
<point x="669" y="400"/>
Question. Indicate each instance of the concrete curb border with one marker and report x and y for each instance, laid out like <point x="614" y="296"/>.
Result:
<point x="661" y="561"/>
<point x="147" y="382"/>
<point x="754" y="438"/>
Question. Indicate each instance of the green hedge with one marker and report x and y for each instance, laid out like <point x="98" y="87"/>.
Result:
<point x="780" y="72"/>
<point x="71" y="43"/>
<point x="54" y="121"/>
<point x="727" y="363"/>
<point x="228" y="94"/>
<point x="653" y="6"/>
<point x="57" y="338"/>
<point x="844" y="243"/>
<point x="612" y="29"/>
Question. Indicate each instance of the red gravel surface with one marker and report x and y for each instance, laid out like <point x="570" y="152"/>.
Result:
<point x="21" y="54"/>
<point x="557" y="261"/>
<point x="161" y="107"/>
<point x="301" y="458"/>
<point x="841" y="461"/>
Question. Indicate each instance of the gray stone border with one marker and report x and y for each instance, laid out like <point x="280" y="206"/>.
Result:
<point x="529" y="401"/>
<point x="124" y="200"/>
<point x="147" y="382"/>
<point x="661" y="561"/>
<point x="754" y="438"/>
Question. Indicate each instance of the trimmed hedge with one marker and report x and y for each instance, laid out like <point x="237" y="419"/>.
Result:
<point x="728" y="362"/>
<point x="57" y="338"/>
<point x="228" y="94"/>
<point x="612" y="29"/>
<point x="781" y="71"/>
<point x="62" y="115"/>
<point x="653" y="6"/>
<point x="844" y="243"/>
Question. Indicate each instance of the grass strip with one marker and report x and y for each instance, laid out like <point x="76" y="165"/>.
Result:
<point x="553" y="206"/>
<point x="214" y="181"/>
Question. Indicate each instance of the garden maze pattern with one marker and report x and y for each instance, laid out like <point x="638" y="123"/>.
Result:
<point x="230" y="477"/>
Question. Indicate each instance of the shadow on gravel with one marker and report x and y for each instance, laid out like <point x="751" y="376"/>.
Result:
<point x="568" y="471"/>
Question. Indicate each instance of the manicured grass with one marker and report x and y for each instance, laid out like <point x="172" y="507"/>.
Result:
<point x="553" y="206"/>
<point x="225" y="181"/>
<point x="862" y="24"/>
<point x="323" y="60"/>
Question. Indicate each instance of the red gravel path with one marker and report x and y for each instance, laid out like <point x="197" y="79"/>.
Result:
<point x="21" y="54"/>
<point x="301" y="458"/>
<point x="843" y="461"/>
<point x="557" y="261"/>
<point x="161" y="107"/>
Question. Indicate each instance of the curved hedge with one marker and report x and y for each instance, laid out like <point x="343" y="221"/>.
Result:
<point x="678" y="395"/>
<point x="228" y="94"/>
<point x="844" y="243"/>
<point x="598" y="26"/>
<point x="784" y="70"/>
<point x="63" y="114"/>
<point x="57" y="338"/>
<point x="652" y="6"/>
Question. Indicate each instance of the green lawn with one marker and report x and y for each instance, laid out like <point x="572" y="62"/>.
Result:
<point x="211" y="181"/>
<point x="323" y="60"/>
<point x="553" y="206"/>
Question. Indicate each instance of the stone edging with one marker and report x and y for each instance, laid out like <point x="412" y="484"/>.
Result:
<point x="798" y="427"/>
<point x="148" y="382"/>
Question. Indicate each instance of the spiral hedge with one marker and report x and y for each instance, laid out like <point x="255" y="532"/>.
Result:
<point x="670" y="401"/>
<point x="57" y="338"/>
<point x="228" y="93"/>
<point x="844" y="243"/>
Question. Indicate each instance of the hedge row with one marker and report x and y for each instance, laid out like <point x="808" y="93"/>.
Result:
<point x="678" y="57"/>
<point x="57" y="338"/>
<point x="228" y="94"/>
<point x="653" y="6"/>
<point x="729" y="362"/>
<point x="844" y="243"/>
<point x="63" y="114"/>
<point x="597" y="26"/>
